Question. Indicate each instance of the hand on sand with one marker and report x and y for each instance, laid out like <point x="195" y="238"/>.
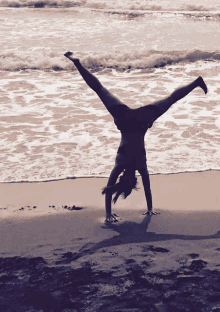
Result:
<point x="150" y="213"/>
<point x="69" y="56"/>
<point x="112" y="218"/>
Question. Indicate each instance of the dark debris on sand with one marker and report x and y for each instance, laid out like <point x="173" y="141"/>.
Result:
<point x="31" y="284"/>
<point x="72" y="208"/>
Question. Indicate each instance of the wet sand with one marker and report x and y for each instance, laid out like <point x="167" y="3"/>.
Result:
<point x="57" y="254"/>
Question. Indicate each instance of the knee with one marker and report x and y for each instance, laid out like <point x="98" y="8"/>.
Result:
<point x="174" y="97"/>
<point x="117" y="170"/>
<point x="100" y="90"/>
<point x="100" y="87"/>
<point x="143" y="171"/>
<point x="145" y="177"/>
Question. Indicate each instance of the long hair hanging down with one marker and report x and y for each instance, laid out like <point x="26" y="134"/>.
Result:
<point x="127" y="182"/>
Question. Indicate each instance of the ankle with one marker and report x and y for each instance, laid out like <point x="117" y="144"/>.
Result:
<point x="199" y="80"/>
<point x="76" y="62"/>
<point x="202" y="84"/>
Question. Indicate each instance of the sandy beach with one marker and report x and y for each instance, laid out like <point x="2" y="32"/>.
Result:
<point x="57" y="254"/>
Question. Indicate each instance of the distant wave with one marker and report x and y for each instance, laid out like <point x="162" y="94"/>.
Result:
<point x="41" y="3"/>
<point x="194" y="14"/>
<point x="119" y="60"/>
<point x="105" y="4"/>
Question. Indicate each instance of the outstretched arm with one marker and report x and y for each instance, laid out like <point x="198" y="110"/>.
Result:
<point x="146" y="183"/>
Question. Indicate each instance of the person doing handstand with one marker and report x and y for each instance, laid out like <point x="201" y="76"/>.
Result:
<point x="133" y="124"/>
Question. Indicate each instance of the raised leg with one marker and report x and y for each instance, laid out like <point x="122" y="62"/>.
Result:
<point x="150" y="113"/>
<point x="90" y="79"/>
<point x="178" y="94"/>
<point x="111" y="102"/>
<point x="117" y="170"/>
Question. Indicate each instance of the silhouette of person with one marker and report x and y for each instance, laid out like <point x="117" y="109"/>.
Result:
<point x="133" y="124"/>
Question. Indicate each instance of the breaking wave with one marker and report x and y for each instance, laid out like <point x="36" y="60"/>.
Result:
<point x="41" y="3"/>
<point x="118" y="60"/>
<point x="110" y="4"/>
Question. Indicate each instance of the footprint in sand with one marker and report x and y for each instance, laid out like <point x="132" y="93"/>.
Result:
<point x="128" y="261"/>
<point x="193" y="255"/>
<point x="154" y="249"/>
<point x="57" y="251"/>
<point x="197" y="265"/>
<point x="67" y="258"/>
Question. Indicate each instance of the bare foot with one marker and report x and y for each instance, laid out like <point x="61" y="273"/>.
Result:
<point x="202" y="84"/>
<point x="150" y="213"/>
<point x="112" y="218"/>
<point x="69" y="56"/>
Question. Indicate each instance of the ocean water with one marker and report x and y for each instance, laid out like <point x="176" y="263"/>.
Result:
<point x="52" y="126"/>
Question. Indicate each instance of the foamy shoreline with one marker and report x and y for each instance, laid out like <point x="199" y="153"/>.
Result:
<point x="72" y="134"/>
<point x="103" y="176"/>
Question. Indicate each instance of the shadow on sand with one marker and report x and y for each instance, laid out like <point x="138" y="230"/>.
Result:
<point x="132" y="232"/>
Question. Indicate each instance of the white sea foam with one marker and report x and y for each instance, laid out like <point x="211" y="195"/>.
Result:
<point x="61" y="129"/>
<point x="53" y="126"/>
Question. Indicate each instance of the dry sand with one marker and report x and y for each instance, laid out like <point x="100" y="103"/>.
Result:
<point x="58" y="258"/>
